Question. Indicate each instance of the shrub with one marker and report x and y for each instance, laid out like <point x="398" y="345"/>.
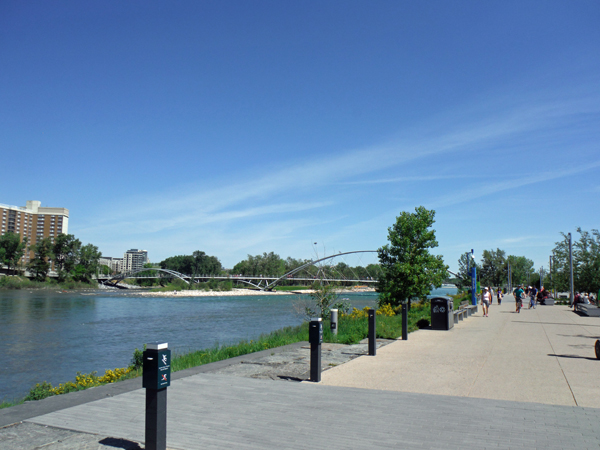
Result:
<point x="82" y="381"/>
<point x="39" y="392"/>
<point x="137" y="360"/>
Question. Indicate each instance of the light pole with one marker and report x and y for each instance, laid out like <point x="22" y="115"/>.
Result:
<point x="551" y="276"/>
<point x="473" y="280"/>
<point x="572" y="291"/>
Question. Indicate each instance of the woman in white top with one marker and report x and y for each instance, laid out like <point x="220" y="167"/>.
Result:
<point x="486" y="298"/>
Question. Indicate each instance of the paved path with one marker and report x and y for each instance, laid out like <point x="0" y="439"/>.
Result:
<point x="542" y="355"/>
<point x="411" y="395"/>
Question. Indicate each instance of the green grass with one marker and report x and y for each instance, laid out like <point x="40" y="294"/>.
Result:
<point x="285" y="336"/>
<point x="8" y="404"/>
<point x="211" y="285"/>
<point x="16" y="282"/>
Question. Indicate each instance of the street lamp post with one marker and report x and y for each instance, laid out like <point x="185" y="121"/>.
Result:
<point x="572" y="291"/>
<point x="473" y="281"/>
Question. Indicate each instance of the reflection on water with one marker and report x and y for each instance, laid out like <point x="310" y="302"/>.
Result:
<point x="49" y="336"/>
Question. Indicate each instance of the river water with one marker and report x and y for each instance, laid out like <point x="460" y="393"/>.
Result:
<point x="50" y="335"/>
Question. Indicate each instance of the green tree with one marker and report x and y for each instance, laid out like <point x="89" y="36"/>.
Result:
<point x="13" y="247"/>
<point x="266" y="264"/>
<point x="66" y="254"/>
<point x="87" y="263"/>
<point x="373" y="271"/>
<point x="198" y="263"/>
<point x="325" y="298"/>
<point x="40" y="264"/>
<point x="493" y="270"/>
<point x="408" y="269"/>
<point x="587" y="261"/>
<point x="521" y="269"/>
<point x="204" y="264"/>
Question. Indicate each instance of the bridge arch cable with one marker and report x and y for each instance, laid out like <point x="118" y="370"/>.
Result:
<point x="114" y="280"/>
<point x="271" y="285"/>
<point x="354" y="274"/>
<point x="375" y="262"/>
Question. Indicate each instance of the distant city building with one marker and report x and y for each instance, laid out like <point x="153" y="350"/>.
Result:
<point x="134" y="259"/>
<point x="34" y="222"/>
<point x="114" y="264"/>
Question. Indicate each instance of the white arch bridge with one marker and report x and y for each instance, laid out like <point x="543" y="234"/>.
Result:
<point x="264" y="283"/>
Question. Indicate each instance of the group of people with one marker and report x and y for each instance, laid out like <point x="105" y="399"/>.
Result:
<point x="520" y="293"/>
<point x="583" y="298"/>
<point x="534" y="295"/>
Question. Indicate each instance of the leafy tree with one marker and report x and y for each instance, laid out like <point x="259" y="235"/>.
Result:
<point x="13" y="247"/>
<point x="586" y="263"/>
<point x="181" y="263"/>
<point x="265" y="264"/>
<point x="66" y="254"/>
<point x="40" y="264"/>
<point x="325" y="298"/>
<point x="374" y="271"/>
<point x="204" y="264"/>
<point x="408" y="269"/>
<point x="291" y="263"/>
<point x="521" y="269"/>
<point x="198" y="263"/>
<point x="560" y="276"/>
<point x="493" y="270"/>
<point x="87" y="263"/>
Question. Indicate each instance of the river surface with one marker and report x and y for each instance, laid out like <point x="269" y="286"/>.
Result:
<point x="50" y="336"/>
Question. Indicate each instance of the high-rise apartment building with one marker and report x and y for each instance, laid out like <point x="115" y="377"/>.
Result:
<point x="33" y="222"/>
<point x="134" y="259"/>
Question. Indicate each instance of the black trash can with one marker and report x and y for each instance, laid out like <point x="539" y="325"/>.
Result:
<point x="442" y="313"/>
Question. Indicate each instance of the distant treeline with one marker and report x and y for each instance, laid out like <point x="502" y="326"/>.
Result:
<point x="268" y="265"/>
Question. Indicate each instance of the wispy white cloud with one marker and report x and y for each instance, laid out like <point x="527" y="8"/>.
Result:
<point x="237" y="214"/>
<point x="508" y="184"/>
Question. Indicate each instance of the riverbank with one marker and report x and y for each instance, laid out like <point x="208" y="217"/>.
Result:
<point x="351" y="331"/>
<point x="236" y="292"/>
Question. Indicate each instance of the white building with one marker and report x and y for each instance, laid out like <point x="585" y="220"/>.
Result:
<point x="134" y="259"/>
<point x="115" y="264"/>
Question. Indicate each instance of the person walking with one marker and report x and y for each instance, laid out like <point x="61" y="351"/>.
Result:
<point x="532" y="294"/>
<point x="499" y="296"/>
<point x="486" y="298"/>
<point x="518" y="293"/>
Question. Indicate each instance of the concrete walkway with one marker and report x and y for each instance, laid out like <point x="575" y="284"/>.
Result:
<point x="542" y="355"/>
<point x="527" y="380"/>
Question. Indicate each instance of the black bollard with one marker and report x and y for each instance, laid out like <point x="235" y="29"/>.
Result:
<point x="372" y="333"/>
<point x="156" y="378"/>
<point x="404" y="322"/>
<point x="315" y="337"/>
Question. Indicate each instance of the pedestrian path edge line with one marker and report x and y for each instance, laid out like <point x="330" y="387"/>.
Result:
<point x="558" y="361"/>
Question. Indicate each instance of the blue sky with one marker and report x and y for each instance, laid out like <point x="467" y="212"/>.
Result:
<point x="246" y="127"/>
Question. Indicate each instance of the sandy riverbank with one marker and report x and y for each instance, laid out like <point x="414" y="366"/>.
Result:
<point x="236" y="293"/>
